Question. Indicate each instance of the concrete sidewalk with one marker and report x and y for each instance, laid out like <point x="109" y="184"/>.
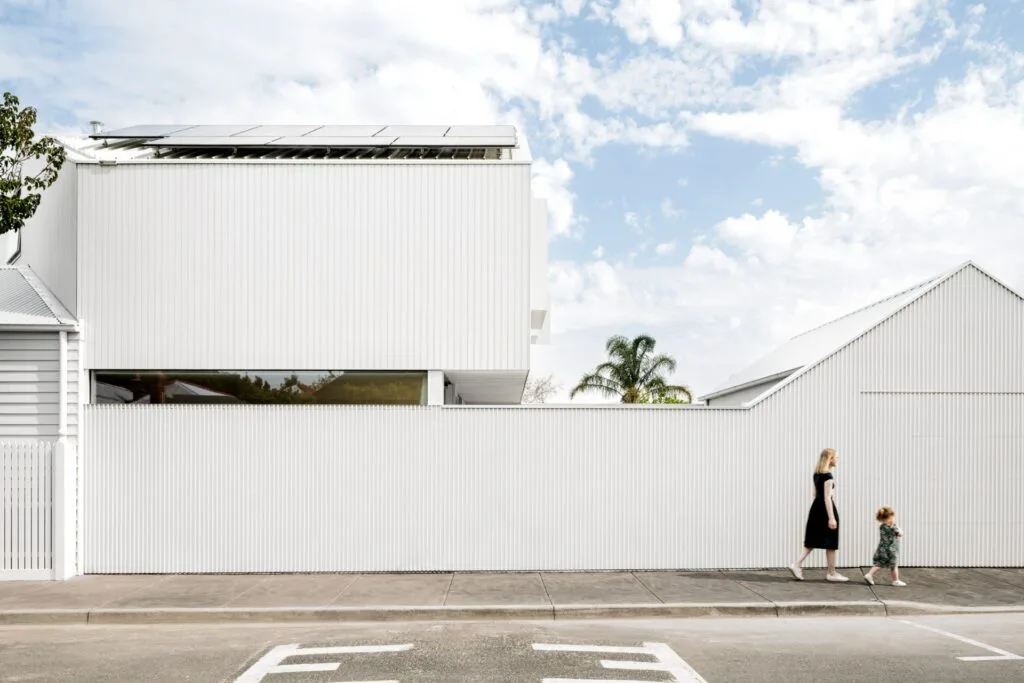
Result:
<point x="529" y="595"/>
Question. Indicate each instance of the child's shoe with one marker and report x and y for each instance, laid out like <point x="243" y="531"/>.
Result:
<point x="898" y="583"/>
<point x="869" y="580"/>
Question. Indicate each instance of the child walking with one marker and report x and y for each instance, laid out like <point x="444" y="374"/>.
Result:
<point x="887" y="555"/>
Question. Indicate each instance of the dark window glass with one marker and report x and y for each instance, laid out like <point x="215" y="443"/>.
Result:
<point x="142" y="387"/>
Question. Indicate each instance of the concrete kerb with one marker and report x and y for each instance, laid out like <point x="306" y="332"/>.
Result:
<point x="44" y="617"/>
<point x="220" y="615"/>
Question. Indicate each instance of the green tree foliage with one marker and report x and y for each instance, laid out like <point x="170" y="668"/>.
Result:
<point x="20" y="193"/>
<point x="634" y="373"/>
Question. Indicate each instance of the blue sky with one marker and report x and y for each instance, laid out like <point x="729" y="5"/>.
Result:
<point x="722" y="174"/>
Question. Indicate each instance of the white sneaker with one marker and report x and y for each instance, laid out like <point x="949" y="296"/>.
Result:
<point x="836" y="578"/>
<point x="869" y="580"/>
<point x="797" y="572"/>
<point x="898" y="583"/>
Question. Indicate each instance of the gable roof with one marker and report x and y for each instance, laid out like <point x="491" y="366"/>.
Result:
<point x="815" y="345"/>
<point x="27" y="304"/>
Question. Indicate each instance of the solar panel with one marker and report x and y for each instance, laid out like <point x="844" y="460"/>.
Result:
<point x="140" y="132"/>
<point x="418" y="131"/>
<point x="347" y="141"/>
<point x="277" y="131"/>
<point x="221" y="141"/>
<point x="481" y="132"/>
<point x="213" y="131"/>
<point x="345" y="131"/>
<point x="414" y="141"/>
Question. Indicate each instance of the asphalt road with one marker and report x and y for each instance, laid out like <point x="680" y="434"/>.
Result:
<point x="847" y="649"/>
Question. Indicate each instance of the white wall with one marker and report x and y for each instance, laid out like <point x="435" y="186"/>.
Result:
<point x="29" y="385"/>
<point x="920" y="414"/>
<point x="252" y="489"/>
<point x="49" y="240"/>
<point x="306" y="265"/>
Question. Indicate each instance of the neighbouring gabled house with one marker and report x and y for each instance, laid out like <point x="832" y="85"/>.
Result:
<point x="807" y="348"/>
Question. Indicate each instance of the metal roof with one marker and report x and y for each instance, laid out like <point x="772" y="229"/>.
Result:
<point x="816" y="344"/>
<point x="26" y="303"/>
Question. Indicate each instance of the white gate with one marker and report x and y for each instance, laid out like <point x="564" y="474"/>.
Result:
<point x="26" y="515"/>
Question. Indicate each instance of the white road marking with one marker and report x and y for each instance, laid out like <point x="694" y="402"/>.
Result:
<point x="271" y="663"/>
<point x="600" y="649"/>
<point x="1002" y="655"/>
<point x="666" y="660"/>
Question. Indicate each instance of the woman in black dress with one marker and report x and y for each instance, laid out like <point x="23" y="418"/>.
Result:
<point x="823" y="520"/>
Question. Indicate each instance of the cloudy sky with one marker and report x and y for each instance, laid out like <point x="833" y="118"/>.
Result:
<point x="721" y="174"/>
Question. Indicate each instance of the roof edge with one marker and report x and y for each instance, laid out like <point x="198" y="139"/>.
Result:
<point x="931" y="286"/>
<point x="62" y="318"/>
<point x="718" y="393"/>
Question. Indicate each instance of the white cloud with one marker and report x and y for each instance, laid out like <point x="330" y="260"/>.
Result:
<point x="632" y="220"/>
<point x="599" y="252"/>
<point x="655" y="20"/>
<point x="770" y="237"/>
<point x="665" y="248"/>
<point x="571" y="8"/>
<point x="669" y="208"/>
<point x="551" y="182"/>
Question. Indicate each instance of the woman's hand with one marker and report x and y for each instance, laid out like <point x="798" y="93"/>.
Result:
<point x="832" y="524"/>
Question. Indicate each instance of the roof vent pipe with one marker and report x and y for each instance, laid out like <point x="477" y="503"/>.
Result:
<point x="96" y="126"/>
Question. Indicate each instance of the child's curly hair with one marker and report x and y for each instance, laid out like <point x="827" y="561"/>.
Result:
<point x="885" y="512"/>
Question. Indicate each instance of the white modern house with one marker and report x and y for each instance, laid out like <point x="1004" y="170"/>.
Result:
<point x="298" y="349"/>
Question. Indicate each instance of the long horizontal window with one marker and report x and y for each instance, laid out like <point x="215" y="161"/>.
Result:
<point x="259" y="387"/>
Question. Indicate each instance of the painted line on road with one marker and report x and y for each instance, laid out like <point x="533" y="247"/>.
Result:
<point x="666" y="661"/>
<point x="272" y="661"/>
<point x="599" y="649"/>
<point x="1002" y="655"/>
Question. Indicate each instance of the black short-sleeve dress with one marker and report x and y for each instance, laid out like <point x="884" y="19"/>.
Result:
<point x="818" y="535"/>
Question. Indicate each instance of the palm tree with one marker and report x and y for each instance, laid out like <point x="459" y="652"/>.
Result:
<point x="633" y="373"/>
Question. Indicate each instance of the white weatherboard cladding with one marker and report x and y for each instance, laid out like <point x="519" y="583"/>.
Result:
<point x="29" y="385"/>
<point x="922" y="417"/>
<point x="306" y="266"/>
<point x="49" y="240"/>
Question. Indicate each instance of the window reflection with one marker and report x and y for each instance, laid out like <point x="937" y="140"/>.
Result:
<point x="260" y="387"/>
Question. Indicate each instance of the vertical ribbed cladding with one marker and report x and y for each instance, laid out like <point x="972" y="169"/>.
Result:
<point x="927" y="412"/>
<point x="26" y="514"/>
<point x="306" y="266"/>
<point x="284" y="488"/>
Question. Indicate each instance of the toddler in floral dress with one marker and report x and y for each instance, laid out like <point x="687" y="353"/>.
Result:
<point x="887" y="554"/>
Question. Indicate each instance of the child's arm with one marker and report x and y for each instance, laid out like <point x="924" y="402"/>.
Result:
<point x="899" y="532"/>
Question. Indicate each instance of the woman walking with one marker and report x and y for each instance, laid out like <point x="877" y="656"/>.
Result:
<point x="822" y="530"/>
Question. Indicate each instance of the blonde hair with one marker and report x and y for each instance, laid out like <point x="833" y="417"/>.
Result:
<point x="825" y="461"/>
<point x="885" y="513"/>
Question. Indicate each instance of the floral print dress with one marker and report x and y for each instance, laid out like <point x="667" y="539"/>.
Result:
<point x="887" y="555"/>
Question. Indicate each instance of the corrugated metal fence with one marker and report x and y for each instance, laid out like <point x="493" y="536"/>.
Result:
<point x="26" y="522"/>
<point x="373" y="488"/>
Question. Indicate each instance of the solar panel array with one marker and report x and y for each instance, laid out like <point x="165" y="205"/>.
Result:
<point x="316" y="137"/>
